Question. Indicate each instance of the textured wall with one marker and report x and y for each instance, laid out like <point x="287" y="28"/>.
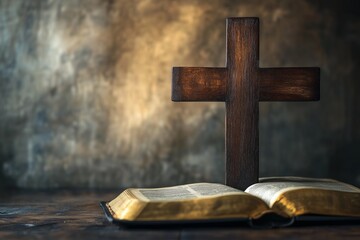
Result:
<point x="85" y="91"/>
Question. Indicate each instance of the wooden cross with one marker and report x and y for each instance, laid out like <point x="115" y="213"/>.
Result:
<point x="241" y="85"/>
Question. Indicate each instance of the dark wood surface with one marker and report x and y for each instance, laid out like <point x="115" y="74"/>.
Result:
<point x="241" y="85"/>
<point x="289" y="84"/>
<point x="76" y="215"/>
<point x="198" y="84"/>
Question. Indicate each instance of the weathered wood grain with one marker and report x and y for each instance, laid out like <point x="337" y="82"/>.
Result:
<point x="289" y="84"/>
<point x="242" y="108"/>
<point x="275" y="84"/>
<point x="198" y="84"/>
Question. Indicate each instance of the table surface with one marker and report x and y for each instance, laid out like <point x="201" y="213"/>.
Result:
<point x="65" y="214"/>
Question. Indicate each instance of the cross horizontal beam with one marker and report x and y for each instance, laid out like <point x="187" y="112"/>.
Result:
<point x="289" y="84"/>
<point x="275" y="84"/>
<point x="198" y="84"/>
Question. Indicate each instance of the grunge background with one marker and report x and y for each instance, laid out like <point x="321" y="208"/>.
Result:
<point x="85" y="91"/>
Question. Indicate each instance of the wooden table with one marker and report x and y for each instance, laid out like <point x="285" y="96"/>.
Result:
<point x="64" y="214"/>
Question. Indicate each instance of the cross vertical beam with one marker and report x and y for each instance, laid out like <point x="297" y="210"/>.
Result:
<point x="242" y="107"/>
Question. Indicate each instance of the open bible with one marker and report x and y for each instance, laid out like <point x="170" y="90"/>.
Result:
<point x="285" y="198"/>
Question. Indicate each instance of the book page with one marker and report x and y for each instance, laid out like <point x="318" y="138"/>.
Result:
<point x="190" y="191"/>
<point x="307" y="195"/>
<point x="268" y="189"/>
<point x="186" y="202"/>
